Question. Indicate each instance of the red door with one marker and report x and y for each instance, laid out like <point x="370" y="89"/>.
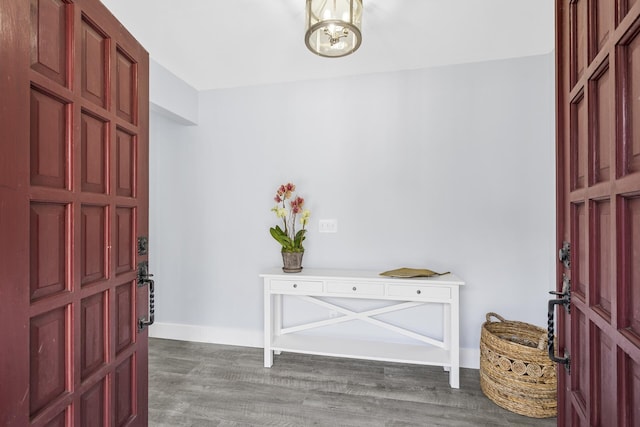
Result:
<point x="73" y="201"/>
<point x="598" y="153"/>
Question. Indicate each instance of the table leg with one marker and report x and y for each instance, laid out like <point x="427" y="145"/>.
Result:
<point x="454" y="375"/>
<point x="277" y="317"/>
<point x="268" y="328"/>
<point x="446" y="333"/>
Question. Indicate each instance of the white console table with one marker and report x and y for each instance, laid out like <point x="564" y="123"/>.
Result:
<point x="315" y="286"/>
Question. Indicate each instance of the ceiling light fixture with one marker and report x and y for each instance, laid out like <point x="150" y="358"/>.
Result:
<point x="333" y="27"/>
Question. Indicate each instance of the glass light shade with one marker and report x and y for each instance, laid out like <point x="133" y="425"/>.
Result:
<point x="333" y="27"/>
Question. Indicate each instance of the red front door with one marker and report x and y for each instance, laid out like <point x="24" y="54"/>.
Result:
<point x="598" y="141"/>
<point x="73" y="201"/>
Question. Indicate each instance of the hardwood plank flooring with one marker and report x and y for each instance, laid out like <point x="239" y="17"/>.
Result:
<point x="196" y="384"/>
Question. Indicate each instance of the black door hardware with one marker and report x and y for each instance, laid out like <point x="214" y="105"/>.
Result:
<point x="564" y="254"/>
<point x="563" y="300"/>
<point x="144" y="279"/>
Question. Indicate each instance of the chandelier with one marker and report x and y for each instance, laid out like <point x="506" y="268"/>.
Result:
<point x="333" y="27"/>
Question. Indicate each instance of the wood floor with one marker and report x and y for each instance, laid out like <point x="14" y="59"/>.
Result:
<point x="195" y="384"/>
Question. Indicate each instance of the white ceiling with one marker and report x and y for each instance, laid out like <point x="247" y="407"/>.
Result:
<point x="229" y="43"/>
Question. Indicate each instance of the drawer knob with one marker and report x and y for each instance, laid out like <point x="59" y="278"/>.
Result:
<point x="354" y="288"/>
<point x="295" y="285"/>
<point x="418" y="291"/>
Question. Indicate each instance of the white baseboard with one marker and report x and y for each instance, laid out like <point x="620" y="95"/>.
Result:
<point x="208" y="334"/>
<point x="469" y="357"/>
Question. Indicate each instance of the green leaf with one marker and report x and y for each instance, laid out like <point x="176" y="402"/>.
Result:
<point x="298" y="239"/>
<point x="281" y="237"/>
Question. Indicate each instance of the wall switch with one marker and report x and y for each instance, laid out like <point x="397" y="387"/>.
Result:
<point x="328" y="226"/>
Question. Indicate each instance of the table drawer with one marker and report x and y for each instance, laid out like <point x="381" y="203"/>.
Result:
<point x="354" y="288"/>
<point x="296" y="285"/>
<point x="418" y="291"/>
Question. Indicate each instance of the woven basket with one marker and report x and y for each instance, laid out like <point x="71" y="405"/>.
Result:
<point x="515" y="369"/>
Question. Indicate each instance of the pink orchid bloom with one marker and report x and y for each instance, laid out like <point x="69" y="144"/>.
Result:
<point x="296" y="205"/>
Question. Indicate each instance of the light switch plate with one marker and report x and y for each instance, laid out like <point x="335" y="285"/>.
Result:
<point x="328" y="226"/>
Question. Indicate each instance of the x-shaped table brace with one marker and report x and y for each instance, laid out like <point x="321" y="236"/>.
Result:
<point x="366" y="316"/>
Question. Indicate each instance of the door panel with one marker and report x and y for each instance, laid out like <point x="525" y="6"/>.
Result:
<point x="601" y="262"/>
<point x="126" y="75"/>
<point x="603" y="109"/>
<point x="604" y="385"/>
<point x="49" y="46"/>
<point x="123" y="391"/>
<point x="125" y="237"/>
<point x="126" y="328"/>
<point x="95" y="55"/>
<point x="631" y="398"/>
<point x="50" y="142"/>
<point x="125" y="149"/>
<point x="579" y="249"/>
<point x="92" y="323"/>
<point x="578" y="38"/>
<point x="92" y="406"/>
<point x="93" y="237"/>
<point x="578" y="142"/>
<point x="630" y="260"/>
<point x="604" y="22"/>
<point x="94" y="153"/>
<point x="48" y="249"/>
<point x="598" y="188"/>
<point x="629" y="58"/>
<point x="74" y="198"/>
<point x="49" y="358"/>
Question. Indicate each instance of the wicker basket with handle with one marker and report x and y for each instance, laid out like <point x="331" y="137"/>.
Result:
<point x="515" y="370"/>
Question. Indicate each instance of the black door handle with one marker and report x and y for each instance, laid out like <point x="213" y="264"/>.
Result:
<point x="564" y="301"/>
<point x="143" y="322"/>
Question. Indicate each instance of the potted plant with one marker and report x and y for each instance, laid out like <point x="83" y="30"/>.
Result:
<point x="290" y="239"/>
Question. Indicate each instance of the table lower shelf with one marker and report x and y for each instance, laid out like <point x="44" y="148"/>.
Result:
<point x="358" y="349"/>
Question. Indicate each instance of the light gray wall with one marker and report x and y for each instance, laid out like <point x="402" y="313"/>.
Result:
<point x="448" y="168"/>
<point x="171" y="97"/>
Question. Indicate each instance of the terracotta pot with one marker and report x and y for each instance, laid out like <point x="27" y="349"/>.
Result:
<point x="292" y="262"/>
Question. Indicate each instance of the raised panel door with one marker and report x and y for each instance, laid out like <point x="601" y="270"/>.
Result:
<point x="598" y="117"/>
<point x="74" y="198"/>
